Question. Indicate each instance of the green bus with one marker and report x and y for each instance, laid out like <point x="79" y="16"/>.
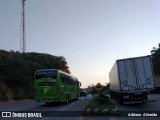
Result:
<point x="53" y="85"/>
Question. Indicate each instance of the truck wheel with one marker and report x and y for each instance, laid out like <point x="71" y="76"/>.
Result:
<point x="145" y="97"/>
<point x="111" y="95"/>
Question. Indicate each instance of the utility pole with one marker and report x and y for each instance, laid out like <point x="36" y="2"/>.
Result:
<point x="22" y="32"/>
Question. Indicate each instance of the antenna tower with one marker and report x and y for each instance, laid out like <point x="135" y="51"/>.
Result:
<point x="22" y="31"/>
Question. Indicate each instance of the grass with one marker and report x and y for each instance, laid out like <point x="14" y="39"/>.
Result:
<point x="100" y="102"/>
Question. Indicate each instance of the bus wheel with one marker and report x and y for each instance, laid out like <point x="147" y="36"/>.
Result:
<point x="49" y="103"/>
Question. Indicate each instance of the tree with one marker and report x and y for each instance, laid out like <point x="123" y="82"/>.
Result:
<point x="156" y="59"/>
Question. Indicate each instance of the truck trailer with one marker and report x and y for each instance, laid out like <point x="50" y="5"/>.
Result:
<point x="131" y="80"/>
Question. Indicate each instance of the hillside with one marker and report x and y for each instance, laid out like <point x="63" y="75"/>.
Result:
<point x="17" y="72"/>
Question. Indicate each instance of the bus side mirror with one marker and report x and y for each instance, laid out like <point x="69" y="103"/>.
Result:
<point x="80" y="84"/>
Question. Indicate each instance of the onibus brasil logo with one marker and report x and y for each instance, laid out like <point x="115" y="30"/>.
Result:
<point x="19" y="114"/>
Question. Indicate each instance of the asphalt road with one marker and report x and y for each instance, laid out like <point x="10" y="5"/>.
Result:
<point x="75" y="107"/>
<point x="72" y="110"/>
<point x="152" y="105"/>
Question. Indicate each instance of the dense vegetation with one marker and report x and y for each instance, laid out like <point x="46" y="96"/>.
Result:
<point x="156" y="59"/>
<point x="17" y="72"/>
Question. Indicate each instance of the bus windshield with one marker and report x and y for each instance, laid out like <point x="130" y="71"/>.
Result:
<point x="46" y="74"/>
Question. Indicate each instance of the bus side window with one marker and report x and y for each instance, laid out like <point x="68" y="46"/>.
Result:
<point x="66" y="79"/>
<point x="77" y="83"/>
<point x="69" y="80"/>
<point x="62" y="78"/>
<point x="72" y="81"/>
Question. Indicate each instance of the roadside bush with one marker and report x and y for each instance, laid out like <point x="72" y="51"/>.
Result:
<point x="18" y="97"/>
<point x="29" y="95"/>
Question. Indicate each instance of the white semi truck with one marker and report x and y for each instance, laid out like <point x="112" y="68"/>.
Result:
<point x="131" y="79"/>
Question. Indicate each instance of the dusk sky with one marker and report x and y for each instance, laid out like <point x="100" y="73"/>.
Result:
<point x="90" y="34"/>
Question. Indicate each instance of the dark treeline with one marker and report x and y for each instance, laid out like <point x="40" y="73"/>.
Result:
<point x="156" y="59"/>
<point x="17" y="72"/>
